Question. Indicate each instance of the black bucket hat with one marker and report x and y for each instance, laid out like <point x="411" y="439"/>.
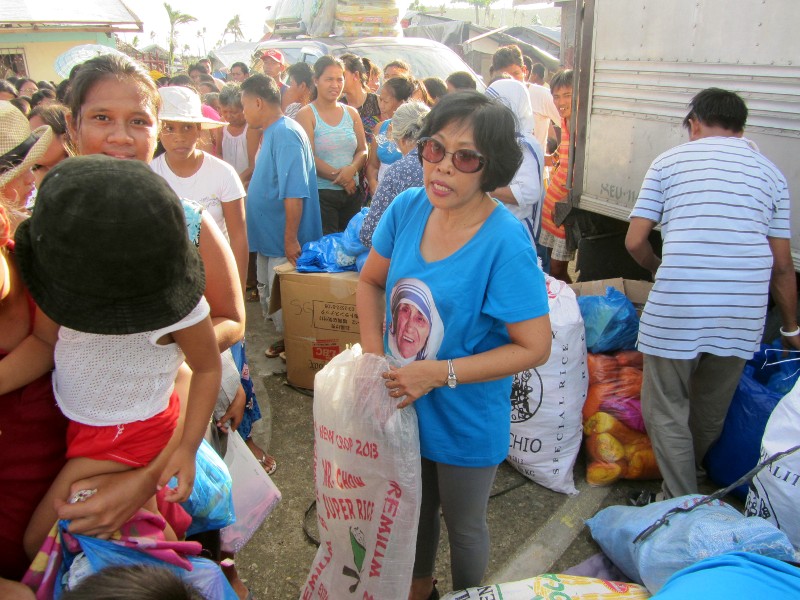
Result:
<point x="106" y="250"/>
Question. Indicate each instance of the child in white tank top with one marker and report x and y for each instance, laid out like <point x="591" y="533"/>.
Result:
<point x="119" y="288"/>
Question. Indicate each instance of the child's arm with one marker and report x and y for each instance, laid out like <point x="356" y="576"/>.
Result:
<point x="199" y="345"/>
<point x="32" y="358"/>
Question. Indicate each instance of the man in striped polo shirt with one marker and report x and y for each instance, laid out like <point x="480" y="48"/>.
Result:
<point x="724" y="215"/>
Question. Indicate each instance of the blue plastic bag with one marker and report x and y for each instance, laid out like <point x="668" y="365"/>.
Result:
<point x="205" y="575"/>
<point x="211" y="502"/>
<point x="351" y="241"/>
<point x="760" y="389"/>
<point x="325" y="255"/>
<point x="611" y="322"/>
<point x="708" y="530"/>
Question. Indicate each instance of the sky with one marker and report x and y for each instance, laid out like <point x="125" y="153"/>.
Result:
<point x="214" y="15"/>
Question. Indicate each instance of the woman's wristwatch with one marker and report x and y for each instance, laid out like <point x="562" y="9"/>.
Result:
<point x="452" y="380"/>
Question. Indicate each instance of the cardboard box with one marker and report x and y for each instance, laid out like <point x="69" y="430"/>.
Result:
<point x="319" y="318"/>
<point x="635" y="291"/>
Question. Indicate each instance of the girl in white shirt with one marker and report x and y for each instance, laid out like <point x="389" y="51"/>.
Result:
<point x="197" y="175"/>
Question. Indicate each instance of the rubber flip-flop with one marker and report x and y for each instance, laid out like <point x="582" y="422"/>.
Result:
<point x="273" y="468"/>
<point x="274" y="351"/>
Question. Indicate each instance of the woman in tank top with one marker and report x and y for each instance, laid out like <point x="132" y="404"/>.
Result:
<point x="340" y="147"/>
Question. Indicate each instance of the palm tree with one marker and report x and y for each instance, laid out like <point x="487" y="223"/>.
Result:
<point x="176" y="18"/>
<point x="234" y="27"/>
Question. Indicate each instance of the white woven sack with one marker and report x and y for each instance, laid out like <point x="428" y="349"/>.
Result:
<point x="367" y="480"/>
<point x="775" y="492"/>
<point x="546" y="402"/>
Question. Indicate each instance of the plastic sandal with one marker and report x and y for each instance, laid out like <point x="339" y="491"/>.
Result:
<point x="274" y="351"/>
<point x="273" y="468"/>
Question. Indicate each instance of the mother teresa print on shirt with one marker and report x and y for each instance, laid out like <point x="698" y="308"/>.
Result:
<point x="415" y="329"/>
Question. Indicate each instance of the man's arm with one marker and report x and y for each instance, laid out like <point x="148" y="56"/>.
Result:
<point x="783" y="285"/>
<point x="293" y="208"/>
<point x="637" y="243"/>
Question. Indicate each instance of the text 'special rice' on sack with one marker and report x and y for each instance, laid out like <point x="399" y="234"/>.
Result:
<point x="368" y="483"/>
<point x="546" y="402"/>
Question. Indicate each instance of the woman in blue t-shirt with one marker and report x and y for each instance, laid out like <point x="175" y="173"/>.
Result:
<point x="465" y="309"/>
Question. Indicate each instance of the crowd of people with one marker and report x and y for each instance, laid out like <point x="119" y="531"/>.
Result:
<point x="108" y="263"/>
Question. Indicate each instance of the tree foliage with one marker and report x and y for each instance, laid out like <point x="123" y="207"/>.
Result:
<point x="176" y="17"/>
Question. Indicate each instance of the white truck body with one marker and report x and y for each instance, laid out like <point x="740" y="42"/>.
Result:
<point x="641" y="61"/>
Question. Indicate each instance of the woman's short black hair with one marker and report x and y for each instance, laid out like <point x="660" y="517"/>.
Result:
<point x="493" y="129"/>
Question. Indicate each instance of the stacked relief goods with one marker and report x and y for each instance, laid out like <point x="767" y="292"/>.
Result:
<point x="617" y="445"/>
<point x="355" y="18"/>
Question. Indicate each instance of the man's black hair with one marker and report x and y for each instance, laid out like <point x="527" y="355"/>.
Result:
<point x="461" y="80"/>
<point x="244" y="68"/>
<point x="262" y="86"/>
<point x="198" y="67"/>
<point x="506" y="56"/>
<point x="561" y="79"/>
<point x="493" y="130"/>
<point x="716" y="107"/>
<point x="538" y="70"/>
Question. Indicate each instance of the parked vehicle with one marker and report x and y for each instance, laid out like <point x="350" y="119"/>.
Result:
<point x="639" y="64"/>
<point x="426" y="57"/>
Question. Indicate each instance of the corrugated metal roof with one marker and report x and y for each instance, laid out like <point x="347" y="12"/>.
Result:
<point x="88" y="12"/>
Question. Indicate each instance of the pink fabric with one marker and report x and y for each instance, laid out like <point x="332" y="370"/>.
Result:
<point x="143" y="532"/>
<point x="210" y="113"/>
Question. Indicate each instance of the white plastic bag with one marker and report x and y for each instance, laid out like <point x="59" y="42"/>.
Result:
<point x="546" y="402"/>
<point x="367" y="480"/>
<point x="775" y="492"/>
<point x="254" y="494"/>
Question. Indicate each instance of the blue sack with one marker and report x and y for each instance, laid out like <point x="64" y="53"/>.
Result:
<point x="205" y="575"/>
<point x="351" y="240"/>
<point x="760" y="389"/>
<point x="708" y="530"/>
<point x="611" y="322"/>
<point x="211" y="502"/>
<point x="326" y="255"/>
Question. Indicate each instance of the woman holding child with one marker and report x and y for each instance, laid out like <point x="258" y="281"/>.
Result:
<point x="114" y="108"/>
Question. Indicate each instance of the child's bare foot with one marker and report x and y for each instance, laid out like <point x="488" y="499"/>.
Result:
<point x="267" y="461"/>
<point x="229" y="569"/>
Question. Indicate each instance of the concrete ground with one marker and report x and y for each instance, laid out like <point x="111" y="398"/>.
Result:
<point x="534" y="530"/>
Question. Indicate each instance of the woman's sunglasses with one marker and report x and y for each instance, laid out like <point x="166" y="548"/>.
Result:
<point x="466" y="161"/>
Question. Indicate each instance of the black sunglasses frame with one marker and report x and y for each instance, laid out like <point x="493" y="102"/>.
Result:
<point x="455" y="160"/>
